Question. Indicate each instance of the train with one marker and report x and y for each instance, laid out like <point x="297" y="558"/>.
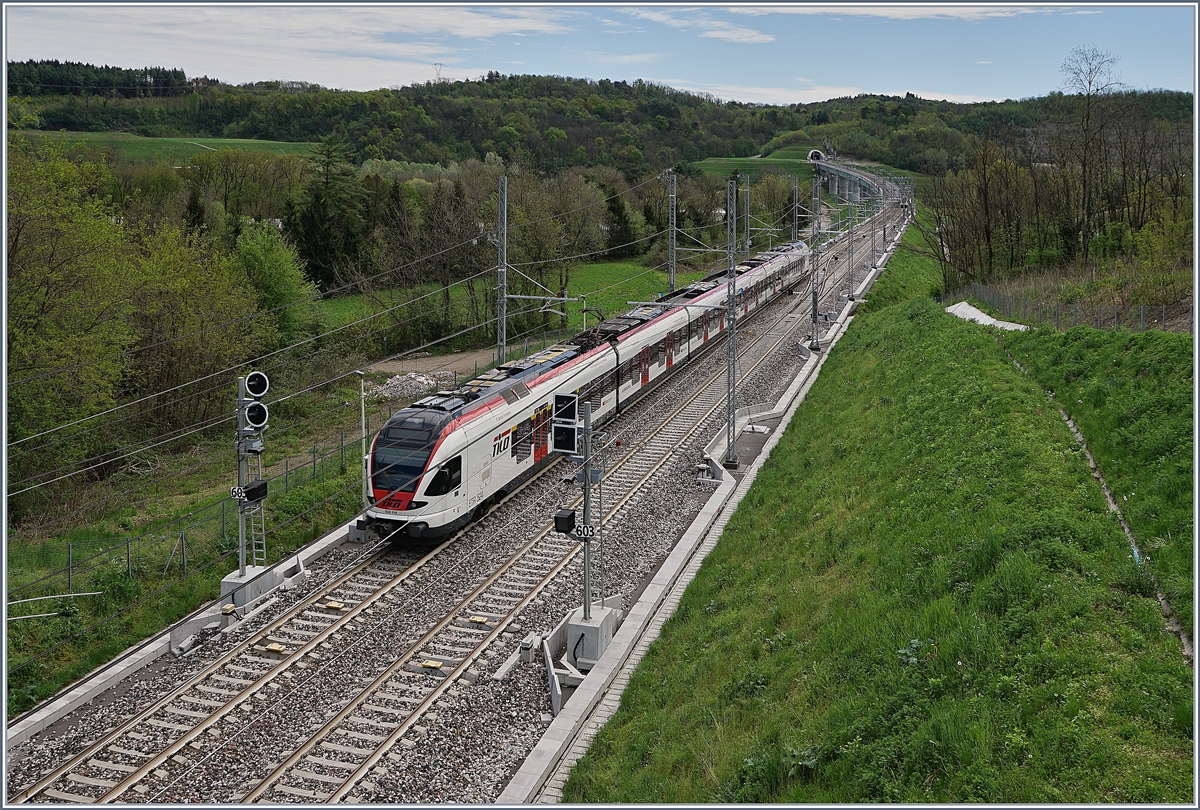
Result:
<point x="447" y="458"/>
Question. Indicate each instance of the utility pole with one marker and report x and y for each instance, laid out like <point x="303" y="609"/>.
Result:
<point x="366" y="467"/>
<point x="746" y="216"/>
<point x="795" y="208"/>
<point x="671" y="231"/>
<point x="853" y="217"/>
<point x="502" y="269"/>
<point x="874" y="220"/>
<point x="815" y="343"/>
<point x="587" y="510"/>
<point x="731" y="459"/>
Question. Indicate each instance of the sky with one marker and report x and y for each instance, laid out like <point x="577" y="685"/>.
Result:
<point x="772" y="53"/>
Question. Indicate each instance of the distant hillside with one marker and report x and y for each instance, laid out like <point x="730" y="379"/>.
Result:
<point x="545" y="122"/>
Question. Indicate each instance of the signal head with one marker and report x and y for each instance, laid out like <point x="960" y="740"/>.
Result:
<point x="256" y="415"/>
<point x="257" y="384"/>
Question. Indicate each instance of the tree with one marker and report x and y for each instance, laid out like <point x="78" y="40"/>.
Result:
<point x="275" y="270"/>
<point x="327" y="223"/>
<point x="194" y="318"/>
<point x="1088" y="74"/>
<point x="69" y="288"/>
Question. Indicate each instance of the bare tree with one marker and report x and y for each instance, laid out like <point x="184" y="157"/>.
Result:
<point x="1088" y="73"/>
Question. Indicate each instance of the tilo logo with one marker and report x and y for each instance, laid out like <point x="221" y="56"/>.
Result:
<point x="500" y="443"/>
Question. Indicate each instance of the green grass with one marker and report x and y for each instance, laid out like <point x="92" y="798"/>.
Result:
<point x="923" y="598"/>
<point x="1131" y="396"/>
<point x="607" y="285"/>
<point x="908" y="273"/>
<point x="141" y="149"/>
<point x="153" y="600"/>
<point x="788" y="160"/>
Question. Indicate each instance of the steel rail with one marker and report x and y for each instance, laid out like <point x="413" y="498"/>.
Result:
<point x="216" y="668"/>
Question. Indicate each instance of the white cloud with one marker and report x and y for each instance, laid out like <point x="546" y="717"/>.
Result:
<point x="984" y="62"/>
<point x="605" y="58"/>
<point x="736" y="33"/>
<point x="704" y="23"/>
<point x="620" y="27"/>
<point x="800" y="79"/>
<point x="933" y="11"/>
<point x="355" y="48"/>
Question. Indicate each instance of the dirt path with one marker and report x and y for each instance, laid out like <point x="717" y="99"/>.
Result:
<point x="465" y="363"/>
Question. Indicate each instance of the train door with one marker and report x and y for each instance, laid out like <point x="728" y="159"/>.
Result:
<point x="644" y="365"/>
<point x="706" y="320"/>
<point x="540" y="433"/>
<point x="670" y="349"/>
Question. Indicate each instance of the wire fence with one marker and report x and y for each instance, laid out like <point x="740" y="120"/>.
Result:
<point x="1179" y="317"/>
<point x="179" y="544"/>
<point x="37" y="573"/>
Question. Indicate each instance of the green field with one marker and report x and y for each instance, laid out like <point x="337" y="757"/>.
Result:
<point x="923" y="598"/>
<point x="788" y="160"/>
<point x="137" y="148"/>
<point x="608" y="286"/>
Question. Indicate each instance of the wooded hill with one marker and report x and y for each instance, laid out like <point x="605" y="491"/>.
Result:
<point x="544" y="122"/>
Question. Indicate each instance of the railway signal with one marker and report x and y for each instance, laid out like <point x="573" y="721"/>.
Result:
<point x="252" y="417"/>
<point x="564" y="431"/>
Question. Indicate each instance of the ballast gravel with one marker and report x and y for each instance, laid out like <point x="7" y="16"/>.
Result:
<point x="477" y="735"/>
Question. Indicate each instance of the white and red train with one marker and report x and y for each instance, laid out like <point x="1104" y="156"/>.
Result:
<point x="443" y="460"/>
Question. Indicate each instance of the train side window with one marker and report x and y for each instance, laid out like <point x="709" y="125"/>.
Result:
<point x="447" y="479"/>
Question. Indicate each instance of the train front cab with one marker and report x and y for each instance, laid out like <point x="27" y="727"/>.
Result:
<point x="410" y="495"/>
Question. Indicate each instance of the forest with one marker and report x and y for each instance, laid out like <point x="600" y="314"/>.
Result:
<point x="1099" y="191"/>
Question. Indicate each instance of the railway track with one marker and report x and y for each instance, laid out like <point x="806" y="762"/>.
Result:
<point x="166" y="747"/>
<point x="350" y="745"/>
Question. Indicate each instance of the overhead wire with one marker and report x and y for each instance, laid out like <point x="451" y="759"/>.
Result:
<point x="240" y="364"/>
<point x="213" y="422"/>
<point x="173" y="436"/>
<point x="590" y="253"/>
<point x="310" y="299"/>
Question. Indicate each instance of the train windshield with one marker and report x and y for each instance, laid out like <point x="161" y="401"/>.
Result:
<point x="397" y="469"/>
<point x="403" y="448"/>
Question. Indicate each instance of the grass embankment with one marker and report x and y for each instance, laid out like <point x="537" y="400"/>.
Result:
<point x="1131" y="396"/>
<point x="908" y="273"/>
<point x="138" y="148"/>
<point x="923" y="598"/>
